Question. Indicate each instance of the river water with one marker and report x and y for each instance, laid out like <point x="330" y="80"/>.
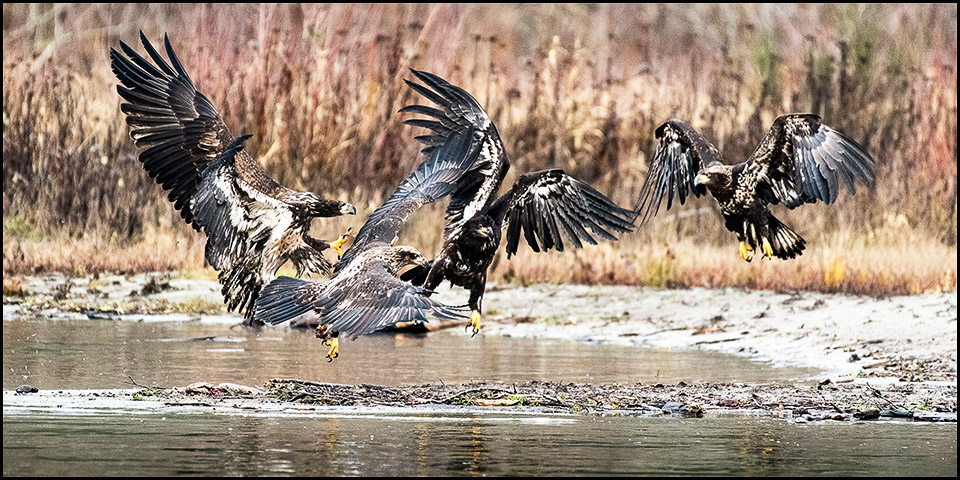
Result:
<point x="84" y="354"/>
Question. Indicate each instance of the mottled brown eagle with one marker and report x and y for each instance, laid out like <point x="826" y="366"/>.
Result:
<point x="253" y="224"/>
<point x="800" y="160"/>
<point x="364" y="295"/>
<point x="546" y="207"/>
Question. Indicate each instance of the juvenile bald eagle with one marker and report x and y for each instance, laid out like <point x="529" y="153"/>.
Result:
<point x="799" y="161"/>
<point x="545" y="206"/>
<point x="253" y="224"/>
<point x="365" y="294"/>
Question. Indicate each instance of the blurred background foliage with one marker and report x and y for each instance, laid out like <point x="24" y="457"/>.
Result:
<point x="581" y="87"/>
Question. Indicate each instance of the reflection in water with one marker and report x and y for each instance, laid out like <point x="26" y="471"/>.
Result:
<point x="192" y="444"/>
<point x="101" y="354"/>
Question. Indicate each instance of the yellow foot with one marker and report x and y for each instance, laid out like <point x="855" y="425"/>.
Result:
<point x="338" y="245"/>
<point x="334" y="351"/>
<point x="474" y="322"/>
<point x="767" y="249"/>
<point x="745" y="251"/>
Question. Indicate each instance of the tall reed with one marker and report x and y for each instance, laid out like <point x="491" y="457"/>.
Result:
<point x="580" y="87"/>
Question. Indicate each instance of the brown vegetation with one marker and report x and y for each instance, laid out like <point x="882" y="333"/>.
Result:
<point x="580" y="87"/>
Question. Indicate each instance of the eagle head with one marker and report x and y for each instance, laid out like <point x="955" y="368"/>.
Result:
<point x="481" y="227"/>
<point x="319" y="207"/>
<point x="714" y="177"/>
<point x="347" y="209"/>
<point x="403" y="256"/>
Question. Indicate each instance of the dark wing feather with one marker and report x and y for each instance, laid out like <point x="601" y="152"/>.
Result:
<point x="362" y="304"/>
<point x="178" y="125"/>
<point x="434" y="178"/>
<point x="804" y="161"/>
<point x="459" y="113"/>
<point x="550" y="206"/>
<point x="681" y="153"/>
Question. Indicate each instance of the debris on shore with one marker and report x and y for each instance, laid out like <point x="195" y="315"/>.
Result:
<point x="798" y="403"/>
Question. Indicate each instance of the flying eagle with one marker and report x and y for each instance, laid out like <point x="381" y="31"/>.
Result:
<point x="799" y="161"/>
<point x="545" y="206"/>
<point x="253" y="224"/>
<point x="364" y="295"/>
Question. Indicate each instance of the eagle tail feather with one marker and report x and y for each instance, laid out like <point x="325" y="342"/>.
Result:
<point x="280" y="301"/>
<point x="786" y="243"/>
<point x="240" y="287"/>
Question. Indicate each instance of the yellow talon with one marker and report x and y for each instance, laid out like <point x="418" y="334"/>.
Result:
<point x="474" y="322"/>
<point x="767" y="249"/>
<point x="744" y="249"/>
<point x="338" y="245"/>
<point x="334" y="351"/>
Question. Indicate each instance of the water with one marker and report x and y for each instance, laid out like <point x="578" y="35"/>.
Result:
<point x="205" y="444"/>
<point x="102" y="354"/>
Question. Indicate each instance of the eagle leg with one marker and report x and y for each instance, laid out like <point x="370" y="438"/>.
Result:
<point x="474" y="322"/>
<point x="338" y="245"/>
<point x="767" y="249"/>
<point x="334" y="351"/>
<point x="744" y="251"/>
<point x="476" y="297"/>
<point x="331" y="340"/>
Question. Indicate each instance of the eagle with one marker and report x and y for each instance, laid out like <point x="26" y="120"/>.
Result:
<point x="364" y="295"/>
<point x="546" y="206"/>
<point x="253" y="224"/>
<point x="799" y="161"/>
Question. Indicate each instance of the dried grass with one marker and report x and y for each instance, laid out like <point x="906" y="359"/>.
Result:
<point x="580" y="87"/>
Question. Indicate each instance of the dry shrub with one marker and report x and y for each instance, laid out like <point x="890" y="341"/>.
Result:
<point x="580" y="87"/>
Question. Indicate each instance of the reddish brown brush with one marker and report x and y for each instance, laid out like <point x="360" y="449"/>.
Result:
<point x="581" y="87"/>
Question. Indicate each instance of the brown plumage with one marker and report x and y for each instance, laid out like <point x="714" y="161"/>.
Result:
<point x="253" y="224"/>
<point x="364" y="295"/>
<point x="545" y="207"/>
<point x="799" y="161"/>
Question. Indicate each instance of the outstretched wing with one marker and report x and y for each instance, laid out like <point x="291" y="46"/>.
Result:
<point x="434" y="178"/>
<point x="459" y="113"/>
<point x="803" y="160"/>
<point x="549" y="206"/>
<point x="178" y="125"/>
<point x="361" y="304"/>
<point x="681" y="153"/>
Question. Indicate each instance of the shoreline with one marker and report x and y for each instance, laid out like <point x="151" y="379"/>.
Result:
<point x="923" y="402"/>
<point x="912" y="338"/>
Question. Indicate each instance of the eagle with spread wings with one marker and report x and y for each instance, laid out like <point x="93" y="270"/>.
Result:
<point x="364" y="295"/>
<point x="253" y="224"/>
<point x="799" y="161"/>
<point x="545" y="207"/>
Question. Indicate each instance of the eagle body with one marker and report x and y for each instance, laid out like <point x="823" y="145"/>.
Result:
<point x="545" y="207"/>
<point x="252" y="223"/>
<point x="364" y="295"/>
<point x="466" y="257"/>
<point x="798" y="161"/>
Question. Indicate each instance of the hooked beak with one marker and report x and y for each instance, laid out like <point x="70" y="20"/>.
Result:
<point x="348" y="209"/>
<point x="486" y="231"/>
<point x="701" y="179"/>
